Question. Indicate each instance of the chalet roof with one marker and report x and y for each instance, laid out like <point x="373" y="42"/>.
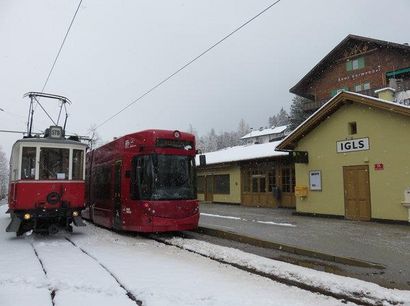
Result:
<point x="264" y="132"/>
<point x="316" y="71"/>
<point x="240" y="153"/>
<point x="342" y="98"/>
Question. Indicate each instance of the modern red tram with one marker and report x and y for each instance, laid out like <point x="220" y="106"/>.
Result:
<point x="143" y="182"/>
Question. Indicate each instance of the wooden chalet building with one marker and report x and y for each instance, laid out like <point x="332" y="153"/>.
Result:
<point x="357" y="64"/>
<point x="250" y="175"/>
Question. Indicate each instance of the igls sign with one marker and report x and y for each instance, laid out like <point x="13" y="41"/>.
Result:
<point x="353" y="145"/>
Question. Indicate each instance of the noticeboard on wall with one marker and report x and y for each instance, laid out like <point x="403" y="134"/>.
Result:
<point x="315" y="180"/>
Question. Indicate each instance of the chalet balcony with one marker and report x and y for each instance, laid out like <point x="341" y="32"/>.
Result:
<point x="312" y="106"/>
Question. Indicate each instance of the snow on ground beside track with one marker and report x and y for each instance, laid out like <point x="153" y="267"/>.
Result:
<point x="162" y="275"/>
<point x="79" y="280"/>
<point x="22" y="281"/>
<point x="247" y="220"/>
<point x="155" y="273"/>
<point x="371" y="293"/>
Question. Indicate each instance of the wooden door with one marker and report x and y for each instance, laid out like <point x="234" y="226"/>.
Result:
<point x="209" y="188"/>
<point x="357" y="193"/>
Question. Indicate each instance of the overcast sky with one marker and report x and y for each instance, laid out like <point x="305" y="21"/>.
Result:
<point x="118" y="49"/>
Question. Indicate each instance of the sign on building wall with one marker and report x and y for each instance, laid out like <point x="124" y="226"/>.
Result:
<point x="361" y="144"/>
<point x="315" y="180"/>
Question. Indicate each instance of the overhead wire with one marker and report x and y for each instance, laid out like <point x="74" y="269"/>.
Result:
<point x="58" y="55"/>
<point x="187" y="64"/>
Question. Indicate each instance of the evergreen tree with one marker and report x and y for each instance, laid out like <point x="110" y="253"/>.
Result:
<point x="297" y="114"/>
<point x="281" y="118"/>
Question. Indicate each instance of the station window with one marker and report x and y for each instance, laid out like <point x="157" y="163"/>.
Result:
<point x="200" y="184"/>
<point x="54" y="164"/>
<point x="352" y="128"/>
<point x="78" y="164"/>
<point x="221" y="184"/>
<point x="355" y="64"/>
<point x="272" y="180"/>
<point x="28" y="163"/>
<point x="258" y="181"/>
<point x="246" y="177"/>
<point x="288" y="179"/>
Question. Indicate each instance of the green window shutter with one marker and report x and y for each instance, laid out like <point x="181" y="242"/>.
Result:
<point x="349" y="66"/>
<point x="361" y="62"/>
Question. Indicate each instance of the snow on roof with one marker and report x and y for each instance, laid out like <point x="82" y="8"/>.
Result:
<point x="300" y="126"/>
<point x="245" y="152"/>
<point x="269" y="131"/>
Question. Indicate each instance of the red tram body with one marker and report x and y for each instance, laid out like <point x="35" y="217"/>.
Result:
<point x="47" y="183"/>
<point x="143" y="182"/>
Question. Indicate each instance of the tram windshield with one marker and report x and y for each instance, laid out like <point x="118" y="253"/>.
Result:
<point x="54" y="163"/>
<point x="164" y="177"/>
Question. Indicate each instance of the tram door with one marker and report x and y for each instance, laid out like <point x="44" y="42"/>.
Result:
<point x="117" y="194"/>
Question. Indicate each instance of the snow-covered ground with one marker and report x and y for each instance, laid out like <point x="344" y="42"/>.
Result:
<point x="156" y="274"/>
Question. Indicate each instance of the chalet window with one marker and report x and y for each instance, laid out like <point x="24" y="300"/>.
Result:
<point x="221" y="184"/>
<point x="355" y="64"/>
<point x="334" y="92"/>
<point x="360" y="87"/>
<point x="352" y="128"/>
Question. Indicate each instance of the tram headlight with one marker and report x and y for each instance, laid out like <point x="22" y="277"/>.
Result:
<point x="75" y="213"/>
<point x="27" y="216"/>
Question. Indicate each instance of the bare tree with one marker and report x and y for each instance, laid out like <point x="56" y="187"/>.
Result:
<point x="96" y="140"/>
<point x="4" y="174"/>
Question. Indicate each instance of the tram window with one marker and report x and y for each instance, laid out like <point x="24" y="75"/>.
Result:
<point x="78" y="164"/>
<point x="54" y="164"/>
<point x="28" y="163"/>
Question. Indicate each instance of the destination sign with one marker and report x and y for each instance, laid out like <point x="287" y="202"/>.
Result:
<point x="353" y="145"/>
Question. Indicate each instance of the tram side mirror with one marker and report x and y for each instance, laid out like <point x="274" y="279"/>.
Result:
<point x="128" y="173"/>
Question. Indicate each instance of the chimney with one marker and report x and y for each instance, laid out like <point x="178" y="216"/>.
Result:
<point x="386" y="93"/>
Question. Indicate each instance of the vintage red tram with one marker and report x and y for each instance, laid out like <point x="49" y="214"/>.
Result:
<point x="143" y="182"/>
<point x="47" y="179"/>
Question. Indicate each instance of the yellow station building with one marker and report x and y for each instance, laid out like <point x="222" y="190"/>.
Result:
<point x="358" y="159"/>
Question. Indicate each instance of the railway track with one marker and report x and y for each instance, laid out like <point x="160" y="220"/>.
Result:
<point x="355" y="298"/>
<point x="54" y="291"/>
